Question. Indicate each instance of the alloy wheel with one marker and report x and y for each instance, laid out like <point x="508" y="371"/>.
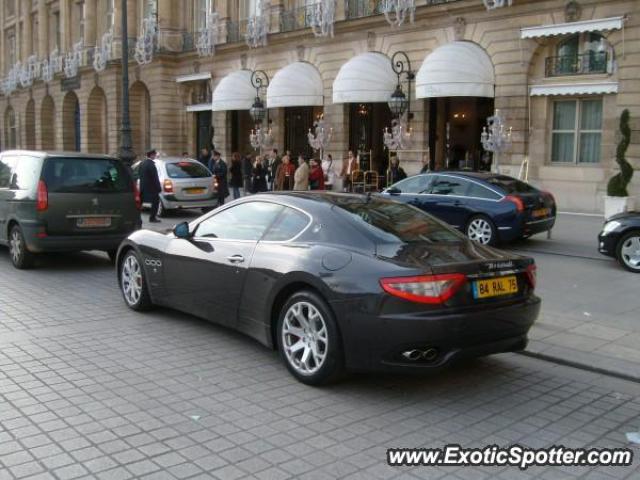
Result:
<point x="131" y="280"/>
<point x="305" y="338"/>
<point x="630" y="252"/>
<point x="15" y="246"/>
<point x="479" y="230"/>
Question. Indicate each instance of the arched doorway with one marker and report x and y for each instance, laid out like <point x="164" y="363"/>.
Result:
<point x="140" y="110"/>
<point x="47" y="124"/>
<point x="97" y="141"/>
<point x="30" y="124"/>
<point x="71" y="122"/>
<point x="10" y="128"/>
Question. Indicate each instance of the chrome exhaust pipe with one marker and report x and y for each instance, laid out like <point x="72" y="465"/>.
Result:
<point x="412" y="355"/>
<point x="430" y="354"/>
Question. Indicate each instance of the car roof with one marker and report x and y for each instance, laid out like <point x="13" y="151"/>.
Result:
<point x="470" y="174"/>
<point x="52" y="154"/>
<point x="176" y="159"/>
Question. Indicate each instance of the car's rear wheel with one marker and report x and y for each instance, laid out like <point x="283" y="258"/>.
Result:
<point x="21" y="257"/>
<point x="308" y="339"/>
<point x="628" y="251"/>
<point x="481" y="229"/>
<point x="133" y="283"/>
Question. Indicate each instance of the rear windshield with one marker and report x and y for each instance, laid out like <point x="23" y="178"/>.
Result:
<point x="86" y="175"/>
<point x="393" y="222"/>
<point x="511" y="185"/>
<point x="187" y="170"/>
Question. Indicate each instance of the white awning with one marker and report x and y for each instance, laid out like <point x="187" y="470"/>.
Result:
<point x="296" y="85"/>
<point x="194" y="77"/>
<point x="234" y="92"/>
<point x="200" y="107"/>
<point x="365" y="78"/>
<point x="597" y="25"/>
<point x="457" y="69"/>
<point x="591" y="88"/>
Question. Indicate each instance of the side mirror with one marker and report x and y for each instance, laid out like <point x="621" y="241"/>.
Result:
<point x="394" y="191"/>
<point x="182" y="231"/>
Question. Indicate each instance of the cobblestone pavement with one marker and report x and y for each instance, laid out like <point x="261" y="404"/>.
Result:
<point x="89" y="389"/>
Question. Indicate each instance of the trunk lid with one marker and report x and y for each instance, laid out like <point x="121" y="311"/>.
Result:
<point x="190" y="180"/>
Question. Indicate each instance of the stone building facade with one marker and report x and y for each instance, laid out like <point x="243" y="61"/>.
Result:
<point x="559" y="71"/>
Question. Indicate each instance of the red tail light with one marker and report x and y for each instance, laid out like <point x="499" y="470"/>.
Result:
<point x="433" y="289"/>
<point x="532" y="275"/>
<point x="42" y="199"/>
<point x="168" y="186"/>
<point x="136" y="196"/>
<point x="517" y="201"/>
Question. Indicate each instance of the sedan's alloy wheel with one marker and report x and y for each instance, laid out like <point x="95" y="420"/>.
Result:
<point x="479" y="230"/>
<point x="630" y="252"/>
<point x="305" y="338"/>
<point x="131" y="279"/>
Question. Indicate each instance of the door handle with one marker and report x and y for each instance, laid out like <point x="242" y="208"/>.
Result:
<point x="236" y="258"/>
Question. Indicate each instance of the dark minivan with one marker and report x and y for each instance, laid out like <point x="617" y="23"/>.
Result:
<point x="64" y="202"/>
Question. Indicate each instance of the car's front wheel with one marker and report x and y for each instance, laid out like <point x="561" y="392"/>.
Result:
<point x="21" y="257"/>
<point x="308" y="339"/>
<point x="481" y="229"/>
<point x="133" y="283"/>
<point x="628" y="251"/>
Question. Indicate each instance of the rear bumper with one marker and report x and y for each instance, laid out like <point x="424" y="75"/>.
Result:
<point x="525" y="228"/>
<point x="378" y="343"/>
<point x="170" y="202"/>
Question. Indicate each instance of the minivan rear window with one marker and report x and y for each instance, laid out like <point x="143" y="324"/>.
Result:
<point x="187" y="170"/>
<point x="511" y="185"/>
<point x="86" y="175"/>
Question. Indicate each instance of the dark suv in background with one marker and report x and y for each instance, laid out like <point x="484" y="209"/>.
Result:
<point x="64" y="202"/>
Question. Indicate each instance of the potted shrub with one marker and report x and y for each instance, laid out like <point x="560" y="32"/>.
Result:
<point x="617" y="199"/>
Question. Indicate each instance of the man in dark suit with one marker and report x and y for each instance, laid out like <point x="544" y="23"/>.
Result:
<point x="150" y="184"/>
<point x="219" y="169"/>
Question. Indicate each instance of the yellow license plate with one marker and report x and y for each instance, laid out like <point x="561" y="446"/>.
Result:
<point x="494" y="287"/>
<point x="94" y="222"/>
<point x="195" y="191"/>
<point x="541" y="212"/>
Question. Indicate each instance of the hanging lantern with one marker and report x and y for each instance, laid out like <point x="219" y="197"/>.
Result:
<point x="258" y="111"/>
<point x="398" y="102"/>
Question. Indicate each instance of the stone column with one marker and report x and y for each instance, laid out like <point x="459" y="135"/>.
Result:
<point x="27" y="39"/>
<point x="43" y="29"/>
<point x="65" y="25"/>
<point x="90" y="19"/>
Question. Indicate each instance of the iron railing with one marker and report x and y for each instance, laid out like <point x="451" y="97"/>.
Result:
<point x="366" y="8"/>
<point x="583" y="64"/>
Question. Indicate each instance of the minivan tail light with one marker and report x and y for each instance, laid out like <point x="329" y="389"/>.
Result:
<point x="168" y="186"/>
<point x="517" y="201"/>
<point x="432" y="289"/>
<point x="532" y="275"/>
<point x="136" y="196"/>
<point x="42" y="198"/>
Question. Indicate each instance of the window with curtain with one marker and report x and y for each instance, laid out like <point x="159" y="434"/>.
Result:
<point x="200" y="10"/>
<point x="249" y="8"/>
<point x="577" y="131"/>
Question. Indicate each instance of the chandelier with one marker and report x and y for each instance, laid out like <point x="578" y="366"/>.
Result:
<point x="321" y="136"/>
<point x="496" y="138"/>
<point x="146" y="43"/>
<point x="260" y="138"/>
<point x="208" y="37"/>
<point x="323" y="18"/>
<point x="102" y="53"/>
<point x="399" y="137"/>
<point x="493" y="4"/>
<point x="396" y="11"/>
<point x="72" y="60"/>
<point x="258" y="25"/>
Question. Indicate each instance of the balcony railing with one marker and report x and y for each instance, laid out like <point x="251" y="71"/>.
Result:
<point x="366" y="8"/>
<point x="583" y="64"/>
<point x="236" y="31"/>
<point x="296" y="19"/>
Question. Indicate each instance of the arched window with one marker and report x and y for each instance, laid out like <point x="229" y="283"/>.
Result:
<point x="582" y="53"/>
<point x="10" y="128"/>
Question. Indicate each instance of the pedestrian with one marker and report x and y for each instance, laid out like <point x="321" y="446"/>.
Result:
<point x="272" y="162"/>
<point x="329" y="172"/>
<point x="425" y="164"/>
<point x="316" y="176"/>
<point x="204" y="157"/>
<point x="219" y="169"/>
<point x="236" y="175"/>
<point x="247" y="172"/>
<point x="150" y="184"/>
<point x="301" y="175"/>
<point x="258" y="176"/>
<point x="349" y="167"/>
<point x="284" y="175"/>
<point x="396" y="173"/>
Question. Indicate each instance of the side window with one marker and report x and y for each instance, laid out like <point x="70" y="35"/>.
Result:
<point x="247" y="221"/>
<point x="478" y="191"/>
<point x="415" y="184"/>
<point x="26" y="172"/>
<point x="449" y="186"/>
<point x="289" y="224"/>
<point x="6" y="164"/>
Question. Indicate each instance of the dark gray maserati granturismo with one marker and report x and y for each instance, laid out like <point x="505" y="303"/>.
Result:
<point x="337" y="282"/>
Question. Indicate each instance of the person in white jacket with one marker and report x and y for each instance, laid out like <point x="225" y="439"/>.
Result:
<point x="301" y="177"/>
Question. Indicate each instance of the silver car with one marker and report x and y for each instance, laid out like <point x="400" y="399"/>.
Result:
<point x="185" y="183"/>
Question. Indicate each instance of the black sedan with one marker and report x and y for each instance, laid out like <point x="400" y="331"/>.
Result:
<point x="487" y="207"/>
<point x="337" y="281"/>
<point x="620" y="238"/>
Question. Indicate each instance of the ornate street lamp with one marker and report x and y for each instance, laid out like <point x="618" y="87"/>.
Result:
<point x="127" y="154"/>
<point x="321" y="136"/>
<point x="399" y="102"/>
<point x="260" y="138"/>
<point x="496" y="138"/>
